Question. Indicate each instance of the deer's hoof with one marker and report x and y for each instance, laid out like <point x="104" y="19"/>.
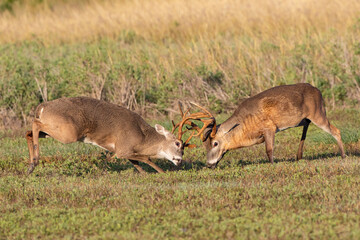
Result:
<point x="31" y="168"/>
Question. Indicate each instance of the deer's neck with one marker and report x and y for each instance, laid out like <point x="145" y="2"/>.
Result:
<point x="151" y="144"/>
<point x="241" y="131"/>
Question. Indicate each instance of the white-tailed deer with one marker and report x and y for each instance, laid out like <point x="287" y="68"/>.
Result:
<point x="106" y="125"/>
<point x="258" y="118"/>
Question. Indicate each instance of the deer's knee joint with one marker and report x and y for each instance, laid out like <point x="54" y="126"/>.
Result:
<point x="269" y="152"/>
<point x="29" y="134"/>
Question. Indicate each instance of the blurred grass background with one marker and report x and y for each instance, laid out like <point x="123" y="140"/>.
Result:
<point x="147" y="55"/>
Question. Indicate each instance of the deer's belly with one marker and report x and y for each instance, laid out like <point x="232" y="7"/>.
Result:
<point x="240" y="141"/>
<point x="110" y="146"/>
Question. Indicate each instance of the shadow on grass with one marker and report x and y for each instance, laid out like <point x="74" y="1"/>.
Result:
<point x="124" y="164"/>
<point x="324" y="156"/>
<point x="307" y="158"/>
<point x="107" y="162"/>
<point x="193" y="165"/>
<point x="114" y="166"/>
<point x="350" y="153"/>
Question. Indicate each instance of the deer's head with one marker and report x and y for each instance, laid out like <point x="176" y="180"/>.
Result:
<point x="217" y="143"/>
<point x="216" y="139"/>
<point x="172" y="148"/>
<point x="212" y="139"/>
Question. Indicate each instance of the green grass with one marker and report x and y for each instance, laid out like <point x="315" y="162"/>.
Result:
<point x="316" y="199"/>
<point x="80" y="192"/>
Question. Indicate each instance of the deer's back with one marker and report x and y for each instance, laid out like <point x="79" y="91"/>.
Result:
<point x="90" y="115"/>
<point x="284" y="106"/>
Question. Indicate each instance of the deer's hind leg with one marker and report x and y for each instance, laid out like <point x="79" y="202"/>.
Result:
<point x="337" y="135"/>
<point x="36" y="153"/>
<point x="322" y="122"/>
<point x="305" y="122"/>
<point x="32" y="138"/>
<point x="30" y="144"/>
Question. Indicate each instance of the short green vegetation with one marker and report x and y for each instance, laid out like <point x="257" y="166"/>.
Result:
<point x="81" y="192"/>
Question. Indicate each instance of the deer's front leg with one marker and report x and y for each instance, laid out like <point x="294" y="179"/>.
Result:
<point x="269" y="137"/>
<point x="153" y="165"/>
<point x="146" y="160"/>
<point x="137" y="166"/>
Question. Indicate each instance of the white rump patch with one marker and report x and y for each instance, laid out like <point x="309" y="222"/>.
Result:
<point x="41" y="111"/>
<point x="112" y="145"/>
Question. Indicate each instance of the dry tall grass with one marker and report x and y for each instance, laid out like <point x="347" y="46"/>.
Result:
<point x="160" y="51"/>
<point x="66" y="21"/>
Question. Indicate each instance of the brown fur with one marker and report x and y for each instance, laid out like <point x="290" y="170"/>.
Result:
<point x="261" y="116"/>
<point x="111" y="127"/>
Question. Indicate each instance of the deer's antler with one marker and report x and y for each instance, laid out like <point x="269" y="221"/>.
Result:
<point x="183" y="122"/>
<point x="199" y="116"/>
<point x="207" y="122"/>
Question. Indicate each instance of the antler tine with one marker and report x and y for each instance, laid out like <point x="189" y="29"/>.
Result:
<point x="206" y="122"/>
<point x="186" y="143"/>
<point x="193" y="126"/>
<point x="174" y="126"/>
<point x="181" y="124"/>
<point x="180" y="108"/>
<point x="202" y="108"/>
<point x="182" y="115"/>
<point x="194" y="116"/>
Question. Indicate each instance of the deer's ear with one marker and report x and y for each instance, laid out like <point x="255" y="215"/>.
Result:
<point x="161" y="130"/>
<point x="208" y="131"/>
<point x="232" y="128"/>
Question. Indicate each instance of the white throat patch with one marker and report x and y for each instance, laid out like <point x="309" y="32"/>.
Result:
<point x="163" y="154"/>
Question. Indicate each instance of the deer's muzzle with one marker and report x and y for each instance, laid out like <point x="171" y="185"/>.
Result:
<point x="212" y="166"/>
<point x="177" y="161"/>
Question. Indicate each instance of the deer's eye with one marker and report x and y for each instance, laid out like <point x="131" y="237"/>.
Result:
<point x="177" y="144"/>
<point x="215" y="144"/>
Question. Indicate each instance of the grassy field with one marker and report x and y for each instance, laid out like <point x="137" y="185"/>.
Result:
<point x="81" y="192"/>
<point x="148" y="55"/>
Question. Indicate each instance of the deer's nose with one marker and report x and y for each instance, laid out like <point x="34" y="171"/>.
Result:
<point x="211" y="165"/>
<point x="177" y="161"/>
